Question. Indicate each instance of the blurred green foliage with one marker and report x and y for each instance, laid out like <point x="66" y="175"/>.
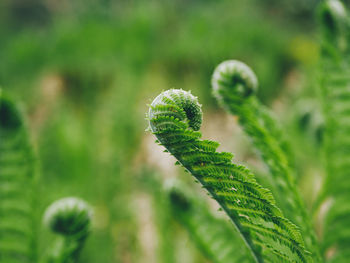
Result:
<point x="84" y="71"/>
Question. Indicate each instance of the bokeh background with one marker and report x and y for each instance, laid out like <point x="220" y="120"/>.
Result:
<point x="83" y="72"/>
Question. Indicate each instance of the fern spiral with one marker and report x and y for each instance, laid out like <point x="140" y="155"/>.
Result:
<point x="70" y="218"/>
<point x="238" y="77"/>
<point x="17" y="236"/>
<point x="175" y="117"/>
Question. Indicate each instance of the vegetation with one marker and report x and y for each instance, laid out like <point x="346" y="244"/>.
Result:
<point x="19" y="238"/>
<point x="80" y="73"/>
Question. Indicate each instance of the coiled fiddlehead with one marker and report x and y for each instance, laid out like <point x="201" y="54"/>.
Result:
<point x="334" y="85"/>
<point x="17" y="242"/>
<point x="334" y="23"/>
<point x="175" y="117"/>
<point x="234" y="86"/>
<point x="215" y="237"/>
<point x="70" y="218"/>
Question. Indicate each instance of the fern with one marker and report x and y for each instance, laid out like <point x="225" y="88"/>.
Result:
<point x="234" y="85"/>
<point x="334" y="83"/>
<point x="70" y="218"/>
<point x="17" y="236"/>
<point x="213" y="236"/>
<point x="175" y="117"/>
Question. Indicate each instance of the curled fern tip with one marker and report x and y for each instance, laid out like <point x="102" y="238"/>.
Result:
<point x="69" y="216"/>
<point x="175" y="104"/>
<point x="333" y="17"/>
<point x="235" y="78"/>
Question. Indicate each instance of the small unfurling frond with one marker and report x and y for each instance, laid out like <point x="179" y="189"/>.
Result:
<point x="71" y="219"/>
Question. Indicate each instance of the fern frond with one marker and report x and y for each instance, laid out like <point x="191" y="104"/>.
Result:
<point x="250" y="207"/>
<point x="17" y="241"/>
<point x="215" y="237"/>
<point x="334" y="84"/>
<point x="71" y="219"/>
<point x="234" y="83"/>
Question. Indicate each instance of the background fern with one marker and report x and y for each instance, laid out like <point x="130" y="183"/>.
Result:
<point x="17" y="183"/>
<point x="174" y="117"/>
<point x="18" y="227"/>
<point x="70" y="218"/>
<point x="215" y="237"/>
<point x="334" y="84"/>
